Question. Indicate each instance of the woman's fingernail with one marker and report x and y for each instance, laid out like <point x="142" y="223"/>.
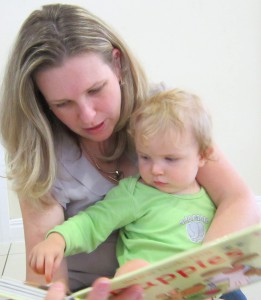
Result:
<point x="103" y="287"/>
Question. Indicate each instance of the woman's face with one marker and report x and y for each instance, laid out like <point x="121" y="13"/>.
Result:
<point x="84" y="94"/>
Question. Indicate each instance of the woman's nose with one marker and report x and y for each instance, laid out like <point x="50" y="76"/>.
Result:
<point x="86" y="111"/>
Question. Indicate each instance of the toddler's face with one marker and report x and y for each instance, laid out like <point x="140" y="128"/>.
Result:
<point x="170" y="162"/>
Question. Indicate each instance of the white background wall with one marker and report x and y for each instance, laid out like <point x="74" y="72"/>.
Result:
<point x="211" y="47"/>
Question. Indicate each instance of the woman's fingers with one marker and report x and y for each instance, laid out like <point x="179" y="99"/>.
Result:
<point x="101" y="286"/>
<point x="56" y="291"/>
<point x="101" y="289"/>
<point x="135" y="292"/>
<point x="132" y="265"/>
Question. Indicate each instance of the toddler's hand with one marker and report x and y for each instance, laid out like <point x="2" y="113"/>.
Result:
<point x="46" y="257"/>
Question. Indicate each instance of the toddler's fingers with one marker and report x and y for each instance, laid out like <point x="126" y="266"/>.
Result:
<point x="57" y="262"/>
<point x="31" y="261"/>
<point x="52" y="263"/>
<point x="49" y="268"/>
<point x="36" y="262"/>
<point x="39" y="264"/>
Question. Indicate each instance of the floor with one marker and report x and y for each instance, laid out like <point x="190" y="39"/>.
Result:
<point x="12" y="265"/>
<point x="12" y="260"/>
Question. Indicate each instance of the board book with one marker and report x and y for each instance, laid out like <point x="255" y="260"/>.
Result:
<point x="208" y="271"/>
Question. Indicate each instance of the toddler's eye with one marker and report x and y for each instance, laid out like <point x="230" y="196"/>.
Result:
<point x="144" y="157"/>
<point x="171" y="159"/>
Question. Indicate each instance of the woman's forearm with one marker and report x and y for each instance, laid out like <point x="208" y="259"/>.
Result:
<point x="237" y="207"/>
<point x="233" y="215"/>
<point x="37" y="221"/>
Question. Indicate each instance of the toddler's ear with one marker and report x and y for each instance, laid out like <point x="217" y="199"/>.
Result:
<point x="205" y="156"/>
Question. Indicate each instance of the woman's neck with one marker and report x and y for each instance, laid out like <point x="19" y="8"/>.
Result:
<point x="98" y="149"/>
<point x="95" y="152"/>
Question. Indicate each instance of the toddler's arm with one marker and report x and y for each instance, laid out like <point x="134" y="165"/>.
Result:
<point x="45" y="258"/>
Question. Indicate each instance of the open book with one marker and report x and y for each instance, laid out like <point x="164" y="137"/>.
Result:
<point x="208" y="271"/>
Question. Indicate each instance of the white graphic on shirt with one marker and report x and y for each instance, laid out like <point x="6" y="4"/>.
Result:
<point x="196" y="231"/>
<point x="195" y="227"/>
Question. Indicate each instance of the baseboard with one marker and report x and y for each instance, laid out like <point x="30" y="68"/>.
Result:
<point x="16" y="230"/>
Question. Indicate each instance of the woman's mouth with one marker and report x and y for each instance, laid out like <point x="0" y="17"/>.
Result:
<point x="96" y="128"/>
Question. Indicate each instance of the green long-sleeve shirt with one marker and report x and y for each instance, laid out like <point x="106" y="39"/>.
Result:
<point x="153" y="225"/>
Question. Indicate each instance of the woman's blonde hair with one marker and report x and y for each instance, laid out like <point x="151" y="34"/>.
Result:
<point x="173" y="109"/>
<point x="28" y="127"/>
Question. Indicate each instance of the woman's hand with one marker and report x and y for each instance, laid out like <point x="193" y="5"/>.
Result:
<point x="100" y="291"/>
<point x="101" y="287"/>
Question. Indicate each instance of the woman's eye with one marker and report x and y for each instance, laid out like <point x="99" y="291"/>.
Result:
<point x="95" y="90"/>
<point x="61" y="104"/>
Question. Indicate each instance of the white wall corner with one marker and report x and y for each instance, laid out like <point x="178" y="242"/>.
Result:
<point x="4" y="211"/>
<point x="259" y="200"/>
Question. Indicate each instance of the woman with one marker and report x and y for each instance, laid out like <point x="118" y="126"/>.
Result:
<point x="70" y="86"/>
